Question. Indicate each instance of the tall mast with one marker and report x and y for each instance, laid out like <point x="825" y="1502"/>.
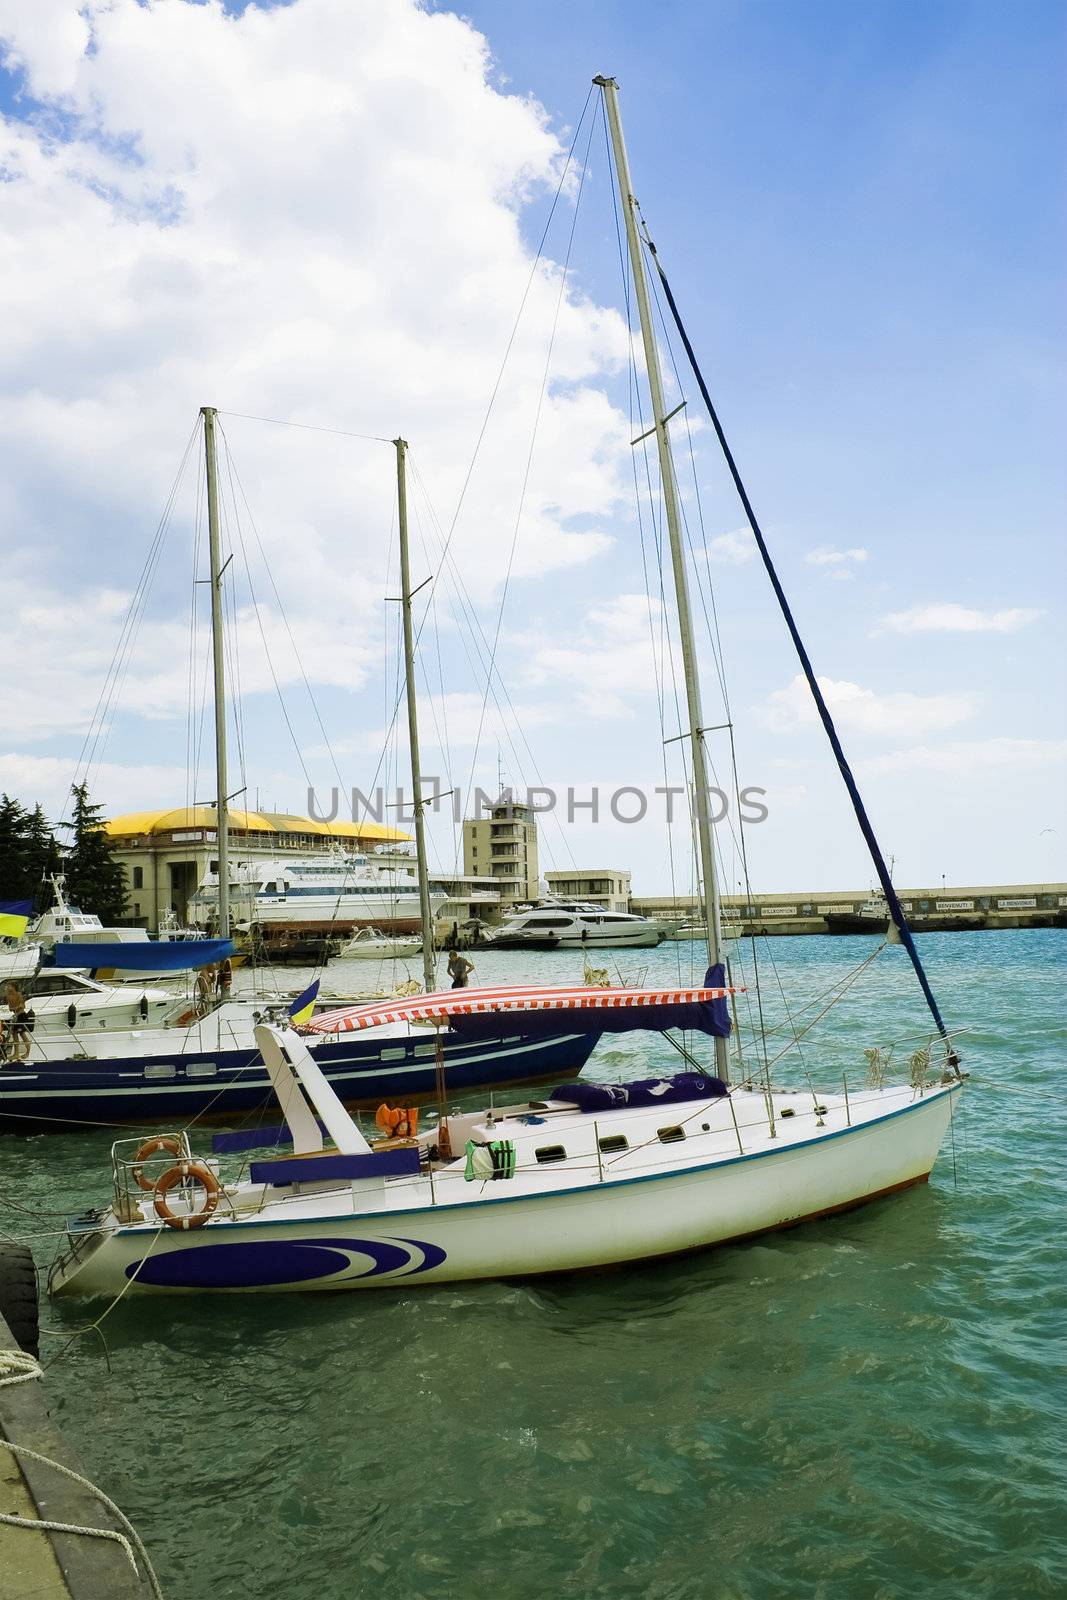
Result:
<point x="428" y="965"/>
<point x="705" y="841"/>
<point x="221" y="806"/>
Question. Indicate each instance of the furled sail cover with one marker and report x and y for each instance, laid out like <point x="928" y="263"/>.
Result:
<point x="508" y="1009"/>
<point x="148" y="955"/>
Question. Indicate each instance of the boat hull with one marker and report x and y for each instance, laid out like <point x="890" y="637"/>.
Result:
<point x="363" y="1071"/>
<point x="656" y="1214"/>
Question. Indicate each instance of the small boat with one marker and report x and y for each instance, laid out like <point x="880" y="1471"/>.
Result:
<point x="67" y="934"/>
<point x="574" y="925"/>
<point x="593" y="1175"/>
<point x="369" y="944"/>
<point x="66" y="1003"/>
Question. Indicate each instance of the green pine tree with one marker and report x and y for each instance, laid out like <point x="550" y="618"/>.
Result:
<point x="95" y="880"/>
<point x="13" y="849"/>
<point x="43" y="855"/>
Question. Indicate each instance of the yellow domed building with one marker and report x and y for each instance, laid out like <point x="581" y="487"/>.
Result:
<point x="167" y="854"/>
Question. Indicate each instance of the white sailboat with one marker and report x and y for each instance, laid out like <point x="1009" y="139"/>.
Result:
<point x="594" y="1174"/>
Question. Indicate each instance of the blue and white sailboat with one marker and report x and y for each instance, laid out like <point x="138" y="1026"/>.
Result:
<point x="204" y="1059"/>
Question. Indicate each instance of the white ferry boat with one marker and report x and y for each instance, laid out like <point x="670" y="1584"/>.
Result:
<point x="333" y="894"/>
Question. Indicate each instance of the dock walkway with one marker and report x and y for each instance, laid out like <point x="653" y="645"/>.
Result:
<point x="45" y="1565"/>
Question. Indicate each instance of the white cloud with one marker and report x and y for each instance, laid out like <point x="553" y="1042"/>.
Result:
<point x="948" y="617"/>
<point x="115" y="786"/>
<point x="968" y="757"/>
<point x="865" y="711"/>
<point x="826" y="556"/>
<point x="68" y="649"/>
<point x="616" y="664"/>
<point x="313" y="212"/>
<point x="733" y="549"/>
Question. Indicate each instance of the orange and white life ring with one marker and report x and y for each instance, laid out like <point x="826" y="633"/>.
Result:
<point x="152" y="1147"/>
<point x="196" y="1172"/>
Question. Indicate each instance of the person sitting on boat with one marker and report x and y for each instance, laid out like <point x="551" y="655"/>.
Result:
<point x="15" y="1030"/>
<point x="224" y="978"/>
<point x="459" y="969"/>
<point x="205" y="983"/>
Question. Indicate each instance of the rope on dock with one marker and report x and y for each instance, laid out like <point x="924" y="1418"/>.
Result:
<point x="16" y="1366"/>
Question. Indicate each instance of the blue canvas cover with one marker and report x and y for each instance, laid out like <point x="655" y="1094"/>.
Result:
<point x="149" y="955"/>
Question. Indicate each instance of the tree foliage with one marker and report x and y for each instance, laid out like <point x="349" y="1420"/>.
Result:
<point x="28" y="850"/>
<point x="95" y="880"/>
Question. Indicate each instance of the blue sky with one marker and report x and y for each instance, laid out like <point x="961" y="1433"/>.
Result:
<point x="860" y="208"/>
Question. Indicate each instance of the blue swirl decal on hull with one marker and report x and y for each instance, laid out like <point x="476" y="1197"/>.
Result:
<point x="263" y="1265"/>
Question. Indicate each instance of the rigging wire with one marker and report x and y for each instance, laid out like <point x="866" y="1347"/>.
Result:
<point x="97" y="733"/>
<point x="542" y="391"/>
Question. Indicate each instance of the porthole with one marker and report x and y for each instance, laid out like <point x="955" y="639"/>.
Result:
<point x="162" y="1070"/>
<point x="614" y="1141"/>
<point x="550" y="1152"/>
<point x="670" y="1135"/>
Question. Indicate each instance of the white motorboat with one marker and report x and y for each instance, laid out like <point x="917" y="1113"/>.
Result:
<point x="369" y="944"/>
<point x="66" y="924"/>
<point x="65" y="1003"/>
<point x="582" y="1179"/>
<point x="574" y="925"/>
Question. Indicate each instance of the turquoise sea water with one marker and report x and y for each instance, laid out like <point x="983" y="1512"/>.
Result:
<point x="869" y="1406"/>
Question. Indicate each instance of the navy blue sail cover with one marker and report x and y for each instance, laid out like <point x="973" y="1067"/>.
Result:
<point x="708" y="1016"/>
<point x="644" y="1092"/>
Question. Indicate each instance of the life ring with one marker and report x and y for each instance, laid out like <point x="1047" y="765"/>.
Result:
<point x="152" y="1147"/>
<point x="199" y="1174"/>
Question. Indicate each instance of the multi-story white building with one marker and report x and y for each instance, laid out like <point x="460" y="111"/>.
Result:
<point x="608" y="887"/>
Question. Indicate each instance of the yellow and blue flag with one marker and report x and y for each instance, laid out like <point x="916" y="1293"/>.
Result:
<point x="302" y="1009"/>
<point x="14" y="918"/>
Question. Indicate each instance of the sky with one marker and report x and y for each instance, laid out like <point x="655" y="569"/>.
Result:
<point x="330" y="213"/>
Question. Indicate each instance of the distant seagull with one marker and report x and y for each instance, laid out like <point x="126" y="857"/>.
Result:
<point x="1046" y="830"/>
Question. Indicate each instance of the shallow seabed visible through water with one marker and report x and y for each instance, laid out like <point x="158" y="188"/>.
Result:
<point x="862" y="1407"/>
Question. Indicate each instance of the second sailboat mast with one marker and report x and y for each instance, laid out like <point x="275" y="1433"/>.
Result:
<point x="221" y="801"/>
<point x="428" y="964"/>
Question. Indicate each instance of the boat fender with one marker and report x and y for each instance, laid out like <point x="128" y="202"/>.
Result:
<point x="198" y="1173"/>
<point x="143" y="1008"/>
<point x="72" y="1015"/>
<point x="152" y="1147"/>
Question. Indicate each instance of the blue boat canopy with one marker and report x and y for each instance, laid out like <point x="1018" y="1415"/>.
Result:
<point x="148" y="955"/>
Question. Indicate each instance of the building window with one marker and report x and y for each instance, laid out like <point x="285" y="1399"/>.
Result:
<point x="138" y="877"/>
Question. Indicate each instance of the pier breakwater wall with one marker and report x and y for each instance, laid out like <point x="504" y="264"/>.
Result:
<point x="852" y="911"/>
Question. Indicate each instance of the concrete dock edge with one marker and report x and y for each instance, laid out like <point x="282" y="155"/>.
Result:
<point x="47" y="1565"/>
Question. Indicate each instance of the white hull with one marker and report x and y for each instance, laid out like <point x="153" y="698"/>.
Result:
<point x="18" y="961"/>
<point x="590" y="1212"/>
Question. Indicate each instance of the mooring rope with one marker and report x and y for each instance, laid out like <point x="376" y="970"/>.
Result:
<point x="16" y="1366"/>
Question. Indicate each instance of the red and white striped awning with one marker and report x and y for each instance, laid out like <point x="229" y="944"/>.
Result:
<point x="514" y="997"/>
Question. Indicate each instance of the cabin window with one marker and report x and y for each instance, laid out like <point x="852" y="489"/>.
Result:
<point x="393" y="1055"/>
<point x="162" y="1069"/>
<point x="428" y="1049"/>
<point x="614" y="1141"/>
<point x="548" y="1153"/>
<point x="201" y="1069"/>
<point x="670" y="1135"/>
